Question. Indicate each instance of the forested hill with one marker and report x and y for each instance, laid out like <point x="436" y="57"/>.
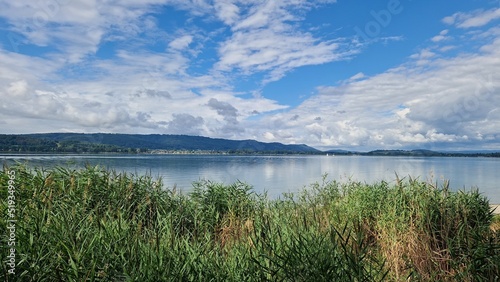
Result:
<point x="159" y="143"/>
<point x="106" y="142"/>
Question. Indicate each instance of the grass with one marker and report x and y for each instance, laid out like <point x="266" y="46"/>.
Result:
<point x="99" y="225"/>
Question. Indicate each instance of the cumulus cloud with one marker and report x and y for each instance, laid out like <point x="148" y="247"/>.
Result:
<point x="18" y="89"/>
<point x="138" y="86"/>
<point x="447" y="103"/>
<point x="430" y="100"/>
<point x="185" y="124"/>
<point x="223" y="108"/>
<point x="229" y="114"/>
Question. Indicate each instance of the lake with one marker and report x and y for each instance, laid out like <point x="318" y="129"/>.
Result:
<point x="279" y="174"/>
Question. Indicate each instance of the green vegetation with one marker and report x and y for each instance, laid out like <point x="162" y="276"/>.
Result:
<point x="100" y="225"/>
<point x="130" y="143"/>
<point x="28" y="144"/>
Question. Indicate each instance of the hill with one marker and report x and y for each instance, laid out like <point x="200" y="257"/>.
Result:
<point x="140" y="143"/>
<point x="108" y="142"/>
<point x="416" y="153"/>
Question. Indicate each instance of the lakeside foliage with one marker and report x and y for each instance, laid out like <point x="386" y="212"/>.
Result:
<point x="108" y="142"/>
<point x="26" y="144"/>
<point x="95" y="224"/>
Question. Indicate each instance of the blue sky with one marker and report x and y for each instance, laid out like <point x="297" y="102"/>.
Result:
<point x="381" y="74"/>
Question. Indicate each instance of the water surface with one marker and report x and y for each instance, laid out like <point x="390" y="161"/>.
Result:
<point x="278" y="174"/>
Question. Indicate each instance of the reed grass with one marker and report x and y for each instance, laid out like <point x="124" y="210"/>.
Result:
<point x="95" y="224"/>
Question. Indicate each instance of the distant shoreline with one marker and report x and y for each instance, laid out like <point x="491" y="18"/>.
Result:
<point x="97" y="143"/>
<point x="388" y="153"/>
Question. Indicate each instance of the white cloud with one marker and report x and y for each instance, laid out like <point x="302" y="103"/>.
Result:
<point x="74" y="28"/>
<point x="450" y="101"/>
<point x="357" y="76"/>
<point x="441" y="37"/>
<point x="447" y="48"/>
<point x="18" y="89"/>
<point x="227" y="11"/>
<point x="277" y="53"/>
<point x="264" y="40"/>
<point x="16" y="66"/>
<point x="423" y="54"/>
<point x="474" y="19"/>
<point x="181" y="42"/>
<point x="428" y="100"/>
<point x="140" y="92"/>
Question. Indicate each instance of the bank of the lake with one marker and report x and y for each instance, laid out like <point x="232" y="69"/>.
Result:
<point x="96" y="224"/>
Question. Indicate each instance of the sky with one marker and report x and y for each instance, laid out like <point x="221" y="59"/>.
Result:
<point x="345" y="74"/>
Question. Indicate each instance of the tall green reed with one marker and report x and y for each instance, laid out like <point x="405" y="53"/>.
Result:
<point x="95" y="224"/>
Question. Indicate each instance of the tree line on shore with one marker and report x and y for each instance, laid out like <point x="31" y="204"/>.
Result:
<point x="154" y="143"/>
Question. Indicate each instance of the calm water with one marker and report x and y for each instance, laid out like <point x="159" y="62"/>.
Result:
<point x="278" y="174"/>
